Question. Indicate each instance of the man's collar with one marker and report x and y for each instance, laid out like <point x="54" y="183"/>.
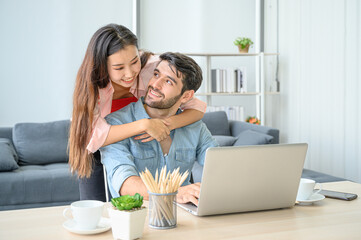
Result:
<point x="140" y="112"/>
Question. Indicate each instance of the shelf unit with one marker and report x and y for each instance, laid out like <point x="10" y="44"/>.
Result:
<point x="259" y="79"/>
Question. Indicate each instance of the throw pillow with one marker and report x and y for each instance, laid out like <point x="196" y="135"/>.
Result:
<point x="250" y="137"/>
<point x="225" y="140"/>
<point x="41" y="143"/>
<point x="8" y="156"/>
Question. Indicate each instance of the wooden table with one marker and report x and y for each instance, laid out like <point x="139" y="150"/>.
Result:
<point x="327" y="219"/>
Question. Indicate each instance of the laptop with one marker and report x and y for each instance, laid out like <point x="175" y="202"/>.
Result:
<point x="249" y="178"/>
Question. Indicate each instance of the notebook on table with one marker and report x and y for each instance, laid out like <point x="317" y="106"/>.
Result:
<point x="249" y="178"/>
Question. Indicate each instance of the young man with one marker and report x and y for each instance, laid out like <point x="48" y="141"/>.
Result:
<point x="174" y="82"/>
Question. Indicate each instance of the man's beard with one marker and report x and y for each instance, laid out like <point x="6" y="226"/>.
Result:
<point x="162" y="104"/>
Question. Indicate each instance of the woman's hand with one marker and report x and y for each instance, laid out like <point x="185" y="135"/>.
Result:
<point x="155" y="129"/>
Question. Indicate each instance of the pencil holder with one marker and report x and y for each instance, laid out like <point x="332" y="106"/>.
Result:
<point x="162" y="210"/>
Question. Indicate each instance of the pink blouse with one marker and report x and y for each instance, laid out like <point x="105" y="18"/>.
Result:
<point x="100" y="128"/>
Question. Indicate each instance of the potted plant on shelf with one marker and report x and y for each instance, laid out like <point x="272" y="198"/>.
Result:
<point x="127" y="216"/>
<point x="243" y="44"/>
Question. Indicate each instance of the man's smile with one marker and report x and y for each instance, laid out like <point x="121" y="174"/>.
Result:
<point x="155" y="92"/>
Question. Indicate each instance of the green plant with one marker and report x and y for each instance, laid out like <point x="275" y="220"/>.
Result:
<point x="127" y="202"/>
<point x="243" y="42"/>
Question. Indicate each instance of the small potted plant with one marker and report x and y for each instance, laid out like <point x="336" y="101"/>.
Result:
<point x="243" y="44"/>
<point x="127" y="216"/>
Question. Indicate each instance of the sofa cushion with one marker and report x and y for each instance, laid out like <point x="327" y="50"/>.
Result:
<point x="38" y="184"/>
<point x="8" y="156"/>
<point x="41" y="143"/>
<point x="217" y="123"/>
<point x="250" y="137"/>
<point x="225" y="140"/>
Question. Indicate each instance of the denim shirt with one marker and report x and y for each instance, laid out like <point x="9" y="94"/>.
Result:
<point x="129" y="157"/>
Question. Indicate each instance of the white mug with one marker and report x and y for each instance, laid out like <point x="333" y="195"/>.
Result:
<point x="86" y="213"/>
<point x="305" y="189"/>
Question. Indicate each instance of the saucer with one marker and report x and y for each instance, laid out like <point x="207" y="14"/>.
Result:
<point x="104" y="225"/>
<point x="314" y="198"/>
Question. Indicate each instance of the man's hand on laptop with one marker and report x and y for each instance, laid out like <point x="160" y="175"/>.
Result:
<point x="189" y="193"/>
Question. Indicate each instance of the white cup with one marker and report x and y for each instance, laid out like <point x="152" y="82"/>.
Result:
<point x="86" y="213"/>
<point x="305" y="189"/>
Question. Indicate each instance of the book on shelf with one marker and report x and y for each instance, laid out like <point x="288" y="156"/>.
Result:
<point x="224" y="80"/>
<point x="214" y="82"/>
<point x="241" y="79"/>
<point x="233" y="112"/>
<point x="229" y="80"/>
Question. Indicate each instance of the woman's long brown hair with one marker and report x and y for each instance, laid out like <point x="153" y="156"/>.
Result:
<point x="91" y="77"/>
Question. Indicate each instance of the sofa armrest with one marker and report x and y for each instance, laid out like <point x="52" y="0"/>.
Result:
<point x="237" y="127"/>
<point x="6" y="132"/>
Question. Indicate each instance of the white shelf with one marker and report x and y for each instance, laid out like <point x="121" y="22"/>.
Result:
<point x="228" y="94"/>
<point x="259" y="79"/>
<point x="272" y="93"/>
<point x="230" y="54"/>
<point x="236" y="94"/>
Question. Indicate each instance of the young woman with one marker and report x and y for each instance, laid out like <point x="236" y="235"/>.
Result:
<point x="112" y="75"/>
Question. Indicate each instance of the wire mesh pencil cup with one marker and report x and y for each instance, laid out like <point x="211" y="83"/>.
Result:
<point x="162" y="210"/>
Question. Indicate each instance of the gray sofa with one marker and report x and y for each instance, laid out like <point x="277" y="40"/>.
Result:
<point x="33" y="166"/>
<point x="33" y="159"/>
<point x="237" y="133"/>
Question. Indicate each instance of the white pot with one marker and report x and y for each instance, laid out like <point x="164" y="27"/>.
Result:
<point x="127" y="224"/>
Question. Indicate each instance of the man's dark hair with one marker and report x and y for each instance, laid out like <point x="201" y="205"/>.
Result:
<point x="190" y="70"/>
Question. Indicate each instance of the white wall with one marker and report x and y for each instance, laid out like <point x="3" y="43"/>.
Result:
<point x="42" y="45"/>
<point x="272" y="110"/>
<point x="202" y="26"/>
<point x="320" y="75"/>
<point x="195" y="26"/>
